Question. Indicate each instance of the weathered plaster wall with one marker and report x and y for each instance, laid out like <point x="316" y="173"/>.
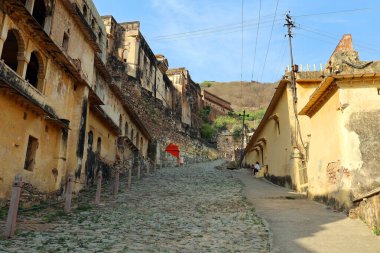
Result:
<point x="18" y="122"/>
<point x="326" y="154"/>
<point x="78" y="48"/>
<point x="275" y="152"/>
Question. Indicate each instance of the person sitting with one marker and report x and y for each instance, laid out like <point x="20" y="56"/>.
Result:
<point x="256" y="168"/>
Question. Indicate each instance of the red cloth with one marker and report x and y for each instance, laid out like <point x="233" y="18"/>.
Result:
<point x="173" y="150"/>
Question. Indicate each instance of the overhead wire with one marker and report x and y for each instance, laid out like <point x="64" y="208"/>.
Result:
<point x="270" y="38"/>
<point x="256" y="41"/>
<point x="236" y="26"/>
<point x="242" y="49"/>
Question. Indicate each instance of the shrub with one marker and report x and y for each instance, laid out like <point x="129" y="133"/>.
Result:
<point x="208" y="131"/>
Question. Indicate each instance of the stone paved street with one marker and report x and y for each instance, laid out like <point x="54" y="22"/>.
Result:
<point x="191" y="209"/>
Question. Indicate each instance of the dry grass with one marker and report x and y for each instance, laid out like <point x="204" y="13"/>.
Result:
<point x="246" y="96"/>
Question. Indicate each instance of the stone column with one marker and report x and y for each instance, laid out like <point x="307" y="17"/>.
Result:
<point x="10" y="227"/>
<point x="22" y="64"/>
<point x="138" y="169"/>
<point x="116" y="183"/>
<point x="129" y="178"/>
<point x="69" y="190"/>
<point x="98" y="187"/>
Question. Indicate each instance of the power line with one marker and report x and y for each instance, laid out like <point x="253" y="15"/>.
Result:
<point x="250" y="22"/>
<point x="270" y="38"/>
<point x="242" y="49"/>
<point x="257" y="36"/>
<point x="333" y="12"/>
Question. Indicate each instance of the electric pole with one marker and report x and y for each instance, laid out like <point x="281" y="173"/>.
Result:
<point x="290" y="24"/>
<point x="242" y="138"/>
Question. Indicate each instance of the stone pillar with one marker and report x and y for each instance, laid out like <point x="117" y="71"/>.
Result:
<point x="69" y="191"/>
<point x="10" y="227"/>
<point x="138" y="170"/>
<point x="98" y="187"/>
<point x="22" y="64"/>
<point x="129" y="178"/>
<point x="116" y="183"/>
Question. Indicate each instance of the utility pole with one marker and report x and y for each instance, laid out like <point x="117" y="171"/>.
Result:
<point x="290" y="24"/>
<point x="242" y="138"/>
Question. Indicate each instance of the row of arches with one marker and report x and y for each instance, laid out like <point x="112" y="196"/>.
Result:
<point x="14" y="56"/>
<point x="139" y="141"/>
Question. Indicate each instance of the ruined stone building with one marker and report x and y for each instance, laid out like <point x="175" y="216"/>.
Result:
<point x="330" y="146"/>
<point x="217" y="105"/>
<point x="60" y="110"/>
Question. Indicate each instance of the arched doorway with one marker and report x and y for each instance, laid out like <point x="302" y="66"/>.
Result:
<point x="39" y="12"/>
<point x="10" y="50"/>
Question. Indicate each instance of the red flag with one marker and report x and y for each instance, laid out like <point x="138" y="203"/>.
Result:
<point x="173" y="150"/>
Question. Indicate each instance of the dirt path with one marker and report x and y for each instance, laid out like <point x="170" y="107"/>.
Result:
<point x="300" y="225"/>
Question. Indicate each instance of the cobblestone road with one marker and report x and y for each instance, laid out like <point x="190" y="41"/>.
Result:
<point x="189" y="209"/>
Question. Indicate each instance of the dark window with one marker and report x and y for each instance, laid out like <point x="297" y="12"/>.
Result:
<point x="132" y="134"/>
<point x="10" y="50"/>
<point x="65" y="42"/>
<point x="39" y="12"/>
<point x="32" y="70"/>
<point x="120" y="122"/>
<point x="90" y="140"/>
<point x="99" y="146"/>
<point x="31" y="151"/>
<point x="141" y="143"/>
<point x="85" y="11"/>
<point x="378" y="91"/>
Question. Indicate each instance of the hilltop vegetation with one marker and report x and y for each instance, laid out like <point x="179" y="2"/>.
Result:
<point x="251" y="97"/>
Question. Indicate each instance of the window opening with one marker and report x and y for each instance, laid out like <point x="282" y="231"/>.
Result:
<point x="30" y="159"/>
<point x="39" y="12"/>
<point x="10" y="50"/>
<point x="99" y="146"/>
<point x="32" y="70"/>
<point x="90" y="140"/>
<point x="65" y="42"/>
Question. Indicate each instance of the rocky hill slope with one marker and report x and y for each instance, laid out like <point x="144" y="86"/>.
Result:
<point x="243" y="96"/>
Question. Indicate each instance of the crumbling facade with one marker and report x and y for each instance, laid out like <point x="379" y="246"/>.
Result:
<point x="60" y="109"/>
<point x="334" y="141"/>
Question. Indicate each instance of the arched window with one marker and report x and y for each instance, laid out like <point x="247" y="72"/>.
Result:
<point x="132" y="132"/>
<point x="11" y="50"/>
<point x="126" y="129"/>
<point x="141" y="143"/>
<point x="90" y="140"/>
<point x="99" y="146"/>
<point x="33" y="70"/>
<point x="85" y="11"/>
<point x="39" y="12"/>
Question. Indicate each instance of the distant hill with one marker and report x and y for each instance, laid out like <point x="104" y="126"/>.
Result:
<point x="248" y="96"/>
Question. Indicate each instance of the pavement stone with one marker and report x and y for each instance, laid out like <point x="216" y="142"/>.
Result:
<point x="194" y="208"/>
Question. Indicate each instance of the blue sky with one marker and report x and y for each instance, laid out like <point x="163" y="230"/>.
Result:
<point x="205" y="35"/>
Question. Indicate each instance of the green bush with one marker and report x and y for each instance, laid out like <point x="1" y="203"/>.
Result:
<point x="236" y="132"/>
<point x="222" y="122"/>
<point x="205" y="112"/>
<point x="208" y="131"/>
